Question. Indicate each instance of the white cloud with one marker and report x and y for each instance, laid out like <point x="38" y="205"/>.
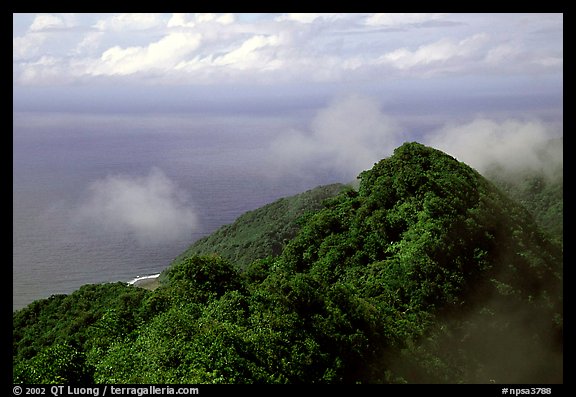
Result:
<point x="512" y="144"/>
<point x="309" y="17"/>
<point x="152" y="208"/>
<point x="130" y="21"/>
<point x="46" y="21"/>
<point x="352" y="133"/>
<point x="27" y="46"/>
<point x="346" y="137"/>
<point x="178" y="20"/>
<point x="224" y="19"/>
<point x="90" y="42"/>
<point x="249" y="53"/>
<point x="397" y="19"/>
<point x="46" y="70"/>
<point x="501" y="54"/>
<point x="192" y="20"/>
<point x="549" y="61"/>
<point x="328" y="47"/>
<point x="40" y="34"/>
<point x="162" y="55"/>
<point x="440" y="51"/>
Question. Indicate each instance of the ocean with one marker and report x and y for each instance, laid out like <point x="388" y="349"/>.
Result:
<point x="110" y="197"/>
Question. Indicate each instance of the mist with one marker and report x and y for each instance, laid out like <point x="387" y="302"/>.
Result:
<point x="353" y="132"/>
<point x="151" y="208"/>
<point x="346" y="137"/>
<point x="511" y="145"/>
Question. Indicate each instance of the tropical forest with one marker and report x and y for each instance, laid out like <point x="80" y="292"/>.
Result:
<point x="421" y="271"/>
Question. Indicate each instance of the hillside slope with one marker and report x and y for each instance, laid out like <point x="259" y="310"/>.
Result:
<point x="428" y="273"/>
<point x="447" y="264"/>
<point x="541" y="191"/>
<point x="262" y="232"/>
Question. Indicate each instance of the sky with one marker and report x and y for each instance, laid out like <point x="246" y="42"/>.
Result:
<point x="224" y="57"/>
<point x="485" y="88"/>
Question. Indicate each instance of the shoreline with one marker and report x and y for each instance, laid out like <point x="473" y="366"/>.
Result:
<point x="149" y="282"/>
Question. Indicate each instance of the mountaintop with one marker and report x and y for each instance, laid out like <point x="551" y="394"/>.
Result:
<point x="427" y="273"/>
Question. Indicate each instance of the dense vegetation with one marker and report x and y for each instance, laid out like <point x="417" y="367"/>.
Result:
<point x="263" y="232"/>
<point x="426" y="273"/>
<point x="540" y="191"/>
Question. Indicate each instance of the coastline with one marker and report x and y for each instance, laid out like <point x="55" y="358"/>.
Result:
<point x="149" y="282"/>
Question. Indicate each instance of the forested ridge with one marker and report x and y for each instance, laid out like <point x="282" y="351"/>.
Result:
<point x="541" y="192"/>
<point x="427" y="273"/>
<point x="263" y="232"/>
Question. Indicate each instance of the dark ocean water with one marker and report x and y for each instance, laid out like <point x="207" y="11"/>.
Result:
<point x="217" y="164"/>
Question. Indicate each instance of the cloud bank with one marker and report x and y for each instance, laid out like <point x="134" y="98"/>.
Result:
<point x="352" y="133"/>
<point x="513" y="145"/>
<point x="152" y="208"/>
<point x="261" y="48"/>
<point x="346" y="137"/>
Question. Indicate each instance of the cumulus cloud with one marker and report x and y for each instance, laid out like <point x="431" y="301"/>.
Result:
<point x="346" y="137"/>
<point x="192" y="20"/>
<point x="309" y="17"/>
<point x="89" y="43"/>
<point x="398" y="19"/>
<point x="513" y="145"/>
<point x="46" y="21"/>
<point x="130" y="21"/>
<point x="38" y="40"/>
<point x="250" y="53"/>
<point x="161" y="55"/>
<point x="439" y="52"/>
<point x="502" y="53"/>
<point x="27" y="46"/>
<point x="210" y="48"/>
<point x="151" y="208"/>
